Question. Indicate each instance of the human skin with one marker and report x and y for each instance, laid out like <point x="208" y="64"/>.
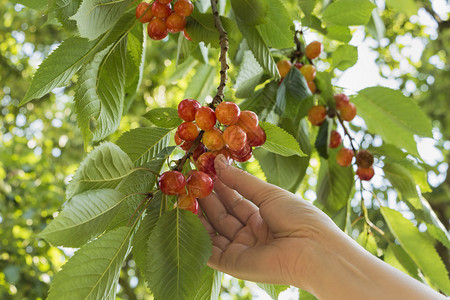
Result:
<point x="263" y="233"/>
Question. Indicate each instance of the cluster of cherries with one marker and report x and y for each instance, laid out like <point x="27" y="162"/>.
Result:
<point x="162" y="19"/>
<point x="347" y="111"/>
<point x="308" y="71"/>
<point x="226" y="130"/>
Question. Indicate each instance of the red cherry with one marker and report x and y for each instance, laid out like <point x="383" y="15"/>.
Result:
<point x="205" y="118"/>
<point x="227" y="113"/>
<point x="177" y="139"/>
<point x="188" y="131"/>
<point x="183" y="8"/>
<point x="172" y="183"/>
<point x="365" y="173"/>
<point x="187" y="202"/>
<point x="164" y="1"/>
<point x="344" y="157"/>
<point x="187" y="109"/>
<point x="242" y="155"/>
<point x="175" y="23"/>
<point x="205" y="163"/>
<point x="234" y="137"/>
<point x="341" y="100"/>
<point x="256" y="137"/>
<point x="317" y="114"/>
<point x="198" y="151"/>
<point x="142" y="8"/>
<point x="348" y="112"/>
<point x="160" y="10"/>
<point x="157" y="29"/>
<point x="364" y="158"/>
<point x="186" y="145"/>
<point x="298" y="65"/>
<point x="199" y="184"/>
<point x="213" y="139"/>
<point x="248" y="120"/>
<point x="335" y="139"/>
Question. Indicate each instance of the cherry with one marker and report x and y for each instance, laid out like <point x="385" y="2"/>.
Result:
<point x="143" y="13"/>
<point x="172" y="183"/>
<point x="199" y="184"/>
<point x="248" y="120"/>
<point x="309" y="72"/>
<point x="344" y="157"/>
<point x="313" y="49"/>
<point x="183" y="8"/>
<point x="341" y="100"/>
<point x="365" y="173"/>
<point x="175" y="23"/>
<point x="186" y="145"/>
<point x="157" y="29"/>
<point x="364" y="158"/>
<point x="348" y="112"/>
<point x="242" y="155"/>
<point x="205" y="163"/>
<point x="186" y="35"/>
<point x="205" y="118"/>
<point x="187" y="202"/>
<point x="160" y="10"/>
<point x="164" y="1"/>
<point x="235" y="137"/>
<point x="187" y="109"/>
<point x="188" y="131"/>
<point x="213" y="139"/>
<point x="198" y="151"/>
<point x="312" y="86"/>
<point x="317" y="114"/>
<point x="256" y="137"/>
<point x="335" y="139"/>
<point x="227" y="113"/>
<point x="298" y="65"/>
<point x="283" y="67"/>
<point x="177" y="139"/>
<point x="225" y="152"/>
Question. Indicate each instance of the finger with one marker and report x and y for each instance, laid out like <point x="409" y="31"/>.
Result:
<point x="234" y="202"/>
<point x="249" y="186"/>
<point x="224" y="223"/>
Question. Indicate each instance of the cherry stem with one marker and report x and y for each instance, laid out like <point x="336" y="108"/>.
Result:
<point x="346" y="132"/>
<point x="139" y="206"/>
<point x="180" y="164"/>
<point x="223" y="41"/>
<point x="366" y="214"/>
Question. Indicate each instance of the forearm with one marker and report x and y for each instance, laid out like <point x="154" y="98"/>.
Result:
<point x="341" y="269"/>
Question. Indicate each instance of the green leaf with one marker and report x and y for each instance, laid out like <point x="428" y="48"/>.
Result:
<point x="434" y="226"/>
<point x="419" y="247"/>
<point x="323" y="82"/>
<point x="339" y="33"/>
<point x="179" y="248"/>
<point x="165" y="117"/>
<point x="376" y="26"/>
<point x="335" y="184"/>
<point x="323" y="138"/>
<point x="262" y="101"/>
<point x="349" y="12"/>
<point x="307" y="7"/>
<point x="314" y="22"/>
<point x="398" y="258"/>
<point x="95" y="17"/>
<point x="100" y="94"/>
<point x="408" y="7"/>
<point x="384" y="109"/>
<point x="64" y="10"/>
<point x="210" y="285"/>
<point x="402" y="180"/>
<point x="259" y="48"/>
<point x="202" y="83"/>
<point x="344" y="57"/>
<point x="273" y="290"/>
<point x="367" y="240"/>
<point x="293" y="96"/>
<point x="34" y="4"/>
<point x="304" y="295"/>
<point x="93" y="271"/>
<point x="104" y="167"/>
<point x="59" y="67"/>
<point x="249" y="75"/>
<point x="251" y="12"/>
<point x="279" y="141"/>
<point x="83" y="218"/>
<point x="201" y="28"/>
<point x="276" y="30"/>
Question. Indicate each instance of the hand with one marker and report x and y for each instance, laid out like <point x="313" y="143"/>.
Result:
<point x="259" y="231"/>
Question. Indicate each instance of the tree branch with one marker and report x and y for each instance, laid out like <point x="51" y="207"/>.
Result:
<point x="223" y="41"/>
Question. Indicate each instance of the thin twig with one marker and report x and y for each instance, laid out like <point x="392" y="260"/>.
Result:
<point x="223" y="41"/>
<point x="180" y="164"/>
<point x="346" y="132"/>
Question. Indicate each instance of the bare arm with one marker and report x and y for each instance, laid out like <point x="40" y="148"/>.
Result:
<point x="263" y="233"/>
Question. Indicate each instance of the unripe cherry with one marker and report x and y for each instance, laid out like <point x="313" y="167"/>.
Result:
<point x="205" y="163"/>
<point x="309" y="72"/>
<point x="317" y="114"/>
<point x="205" y="118"/>
<point x="199" y="184"/>
<point x="235" y="137"/>
<point x="188" y="131"/>
<point x="227" y="113"/>
<point x="365" y="173"/>
<point x="187" y="109"/>
<point x="175" y="23"/>
<point x="313" y="49"/>
<point x="283" y="67"/>
<point x="213" y="139"/>
<point x="157" y="29"/>
<point x="335" y="139"/>
<point x="143" y="12"/>
<point x="183" y="8"/>
<point x="344" y="157"/>
<point x="187" y="202"/>
<point x="364" y="158"/>
<point x="256" y="137"/>
<point x="160" y="10"/>
<point x="172" y="183"/>
<point x="348" y="112"/>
